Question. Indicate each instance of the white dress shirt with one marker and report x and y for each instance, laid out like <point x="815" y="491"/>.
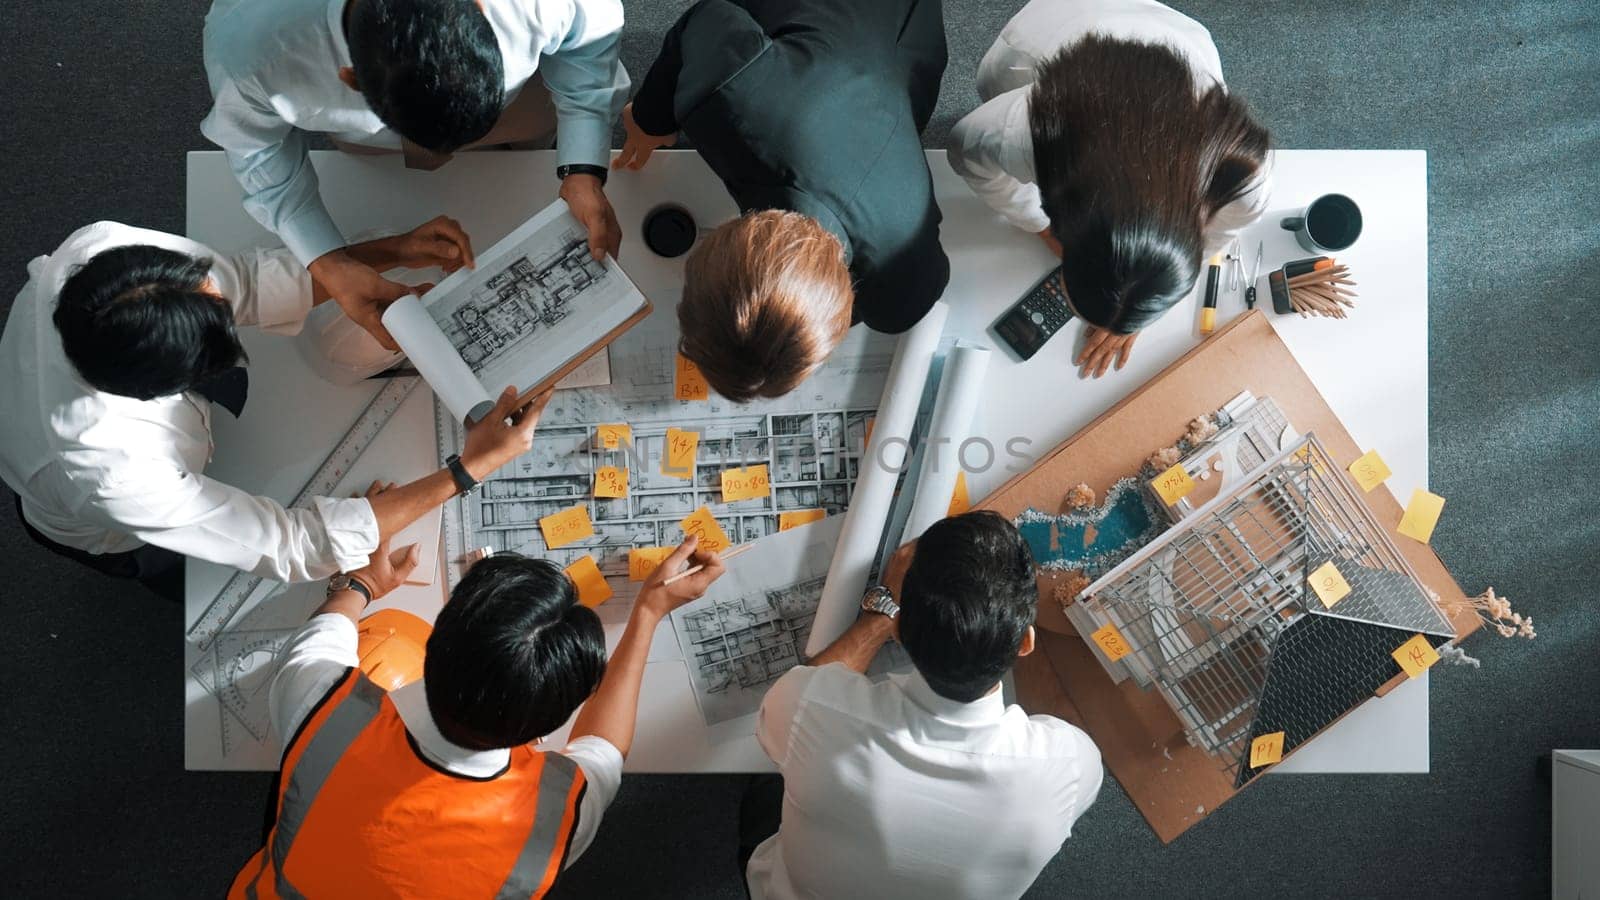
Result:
<point x="316" y="657"/>
<point x="891" y="790"/>
<point x="106" y="473"/>
<point x="992" y="146"/>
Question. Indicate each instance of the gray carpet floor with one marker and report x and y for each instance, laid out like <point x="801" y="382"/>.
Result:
<point x="100" y="101"/>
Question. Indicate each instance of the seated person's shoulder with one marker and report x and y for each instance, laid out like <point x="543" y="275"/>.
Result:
<point x="1060" y="738"/>
<point x="834" y="686"/>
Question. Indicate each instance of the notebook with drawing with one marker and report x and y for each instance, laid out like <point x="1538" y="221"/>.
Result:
<point x="535" y="310"/>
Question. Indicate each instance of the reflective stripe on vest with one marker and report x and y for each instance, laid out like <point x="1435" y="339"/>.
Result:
<point x="534" y="862"/>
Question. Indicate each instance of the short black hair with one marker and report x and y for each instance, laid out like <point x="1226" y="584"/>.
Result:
<point x="968" y="599"/>
<point x="137" y="321"/>
<point x="512" y="654"/>
<point x="430" y="69"/>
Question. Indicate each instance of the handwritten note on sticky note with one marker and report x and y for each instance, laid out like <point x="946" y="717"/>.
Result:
<point x="1415" y="656"/>
<point x="1422" y="513"/>
<point x="677" y="459"/>
<point x="1111" y="642"/>
<point x="593" y="589"/>
<point x="610" y="481"/>
<point x="562" y="528"/>
<point x="703" y="525"/>
<point x="745" y="484"/>
<point x="687" y="382"/>
<point x="613" y="437"/>
<point x="798" y="517"/>
<point x="644" y="560"/>
<point x="1174" y="484"/>
<point x="1266" y="750"/>
<point x="960" y="500"/>
<point x="1370" y="470"/>
<point x="1329" y="584"/>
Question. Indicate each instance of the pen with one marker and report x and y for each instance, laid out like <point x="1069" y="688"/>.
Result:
<point x="693" y="569"/>
<point x="1208" y="314"/>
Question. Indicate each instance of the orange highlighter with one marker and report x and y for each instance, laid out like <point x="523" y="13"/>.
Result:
<point x="1208" y="312"/>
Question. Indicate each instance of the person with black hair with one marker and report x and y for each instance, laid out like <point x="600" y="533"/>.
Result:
<point x="1106" y="129"/>
<point x="422" y="77"/>
<point x="925" y="785"/>
<point x="111" y="358"/>
<point x="437" y="788"/>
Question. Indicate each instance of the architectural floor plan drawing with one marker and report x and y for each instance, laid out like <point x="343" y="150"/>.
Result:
<point x="534" y="292"/>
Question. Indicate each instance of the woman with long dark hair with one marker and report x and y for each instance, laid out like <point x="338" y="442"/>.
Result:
<point x="1107" y="130"/>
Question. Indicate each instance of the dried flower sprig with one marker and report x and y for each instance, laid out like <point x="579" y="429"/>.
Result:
<point x="1496" y="612"/>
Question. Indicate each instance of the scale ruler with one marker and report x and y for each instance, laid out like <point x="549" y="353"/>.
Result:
<point x="448" y="436"/>
<point x="242" y="586"/>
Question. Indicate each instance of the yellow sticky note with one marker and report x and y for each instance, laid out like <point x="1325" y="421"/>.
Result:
<point x="1111" y="642"/>
<point x="562" y="528"/>
<point x="1174" y="484"/>
<point x="1329" y="584"/>
<point x="703" y="525"/>
<point x="1266" y="750"/>
<point x="1422" y="513"/>
<point x="610" y="481"/>
<point x="611" y="437"/>
<point x="1369" y="471"/>
<point x="593" y="589"/>
<point x="678" y="459"/>
<point x="644" y="560"/>
<point x="1415" y="656"/>
<point x="687" y="382"/>
<point x="960" y="500"/>
<point x="745" y="484"/>
<point x="800" y="517"/>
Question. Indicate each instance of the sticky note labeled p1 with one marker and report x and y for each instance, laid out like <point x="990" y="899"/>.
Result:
<point x="1266" y="750"/>
<point x="644" y="560"/>
<point x="593" y="589"/>
<point x="1422" y="513"/>
<point x="960" y="500"/>
<point x="687" y="381"/>
<point x="610" y="481"/>
<point x="703" y="525"/>
<point x="1415" y="656"/>
<point x="678" y="456"/>
<point x="1370" y="470"/>
<point x="1174" y="484"/>
<point x="1111" y="642"/>
<point x="1329" y="584"/>
<point x="566" y="526"/>
<point x="613" y="437"/>
<point x="796" y="518"/>
<point x="745" y="484"/>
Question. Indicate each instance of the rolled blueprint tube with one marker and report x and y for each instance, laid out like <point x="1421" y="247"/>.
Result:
<point x="885" y="457"/>
<point x="960" y="390"/>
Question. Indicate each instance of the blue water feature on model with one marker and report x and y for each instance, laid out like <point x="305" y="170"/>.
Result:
<point x="1123" y="524"/>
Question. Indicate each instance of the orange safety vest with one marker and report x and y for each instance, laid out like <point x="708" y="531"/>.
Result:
<point x="362" y="814"/>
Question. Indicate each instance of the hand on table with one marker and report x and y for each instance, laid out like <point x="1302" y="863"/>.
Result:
<point x="385" y="569"/>
<point x="660" y="598"/>
<point x="586" y="198"/>
<point x="637" y="144"/>
<point x="1100" y="347"/>
<point x="502" y="435"/>
<point x="894" y="574"/>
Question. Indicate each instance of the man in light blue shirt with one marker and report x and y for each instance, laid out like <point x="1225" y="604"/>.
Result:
<point x="422" y="77"/>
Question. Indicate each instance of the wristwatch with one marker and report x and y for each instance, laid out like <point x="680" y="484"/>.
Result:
<point x="343" y="582"/>
<point x="599" y="172"/>
<point x="879" y="599"/>
<point x="465" y="483"/>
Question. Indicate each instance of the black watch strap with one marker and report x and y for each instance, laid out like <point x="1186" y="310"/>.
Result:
<point x="465" y="483"/>
<point x="599" y="172"/>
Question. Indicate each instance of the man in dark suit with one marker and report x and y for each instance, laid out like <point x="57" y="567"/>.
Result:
<point x="811" y="112"/>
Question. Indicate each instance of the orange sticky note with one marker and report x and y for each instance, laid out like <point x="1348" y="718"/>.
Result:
<point x="1329" y="584"/>
<point x="866" y="437"/>
<point x="562" y="528"/>
<point x="703" y="525"/>
<point x="1415" y="656"/>
<point x="960" y="500"/>
<point x="593" y="589"/>
<point x="678" y="459"/>
<point x="644" y="560"/>
<point x="800" y="517"/>
<point x="1266" y="750"/>
<point x="611" y="437"/>
<point x="1369" y="471"/>
<point x="1111" y="643"/>
<point x="745" y="484"/>
<point x="687" y="382"/>
<point x="610" y="481"/>
<point x="1422" y="513"/>
<point x="1174" y="484"/>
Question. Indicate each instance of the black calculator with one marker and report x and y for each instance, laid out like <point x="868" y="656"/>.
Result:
<point x="1036" y="318"/>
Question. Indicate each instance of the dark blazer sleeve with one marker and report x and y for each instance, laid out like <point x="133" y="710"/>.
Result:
<point x="707" y="47"/>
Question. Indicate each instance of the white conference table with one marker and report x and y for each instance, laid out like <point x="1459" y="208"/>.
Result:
<point x="1372" y="368"/>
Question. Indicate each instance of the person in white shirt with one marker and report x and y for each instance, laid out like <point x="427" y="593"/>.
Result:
<point x="437" y="789"/>
<point x="423" y="77"/>
<point x="110" y="359"/>
<point x="924" y="785"/>
<point x="1106" y="129"/>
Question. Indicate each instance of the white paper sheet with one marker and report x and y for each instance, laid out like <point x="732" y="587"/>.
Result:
<point x="432" y="354"/>
<point x="954" y="411"/>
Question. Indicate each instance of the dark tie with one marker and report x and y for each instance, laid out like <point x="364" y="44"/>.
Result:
<point x="227" y="389"/>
